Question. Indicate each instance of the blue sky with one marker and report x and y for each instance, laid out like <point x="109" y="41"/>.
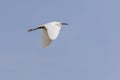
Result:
<point x="86" y="49"/>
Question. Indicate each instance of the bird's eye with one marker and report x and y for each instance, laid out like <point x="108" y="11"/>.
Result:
<point x="58" y="24"/>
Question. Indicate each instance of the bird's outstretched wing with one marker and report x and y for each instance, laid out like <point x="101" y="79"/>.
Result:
<point x="45" y="38"/>
<point x="53" y="31"/>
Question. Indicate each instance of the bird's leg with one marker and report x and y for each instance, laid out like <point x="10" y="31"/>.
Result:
<point x="36" y="28"/>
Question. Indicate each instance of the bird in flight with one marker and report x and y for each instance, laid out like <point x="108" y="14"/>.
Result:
<point x="50" y="32"/>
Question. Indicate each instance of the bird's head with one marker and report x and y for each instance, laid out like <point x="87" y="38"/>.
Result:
<point x="59" y="23"/>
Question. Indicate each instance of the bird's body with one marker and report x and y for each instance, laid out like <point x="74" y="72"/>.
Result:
<point x="53" y="30"/>
<point x="50" y="32"/>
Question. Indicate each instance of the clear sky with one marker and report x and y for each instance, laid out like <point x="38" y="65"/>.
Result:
<point x="87" y="49"/>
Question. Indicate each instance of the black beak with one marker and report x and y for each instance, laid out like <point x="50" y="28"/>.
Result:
<point x="64" y="23"/>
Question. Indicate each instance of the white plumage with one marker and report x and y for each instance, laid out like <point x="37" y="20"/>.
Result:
<point x="45" y="38"/>
<point x="53" y="29"/>
<point x="50" y="32"/>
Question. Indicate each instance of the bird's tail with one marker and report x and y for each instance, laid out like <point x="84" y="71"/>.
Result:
<point x="36" y="28"/>
<point x="32" y="29"/>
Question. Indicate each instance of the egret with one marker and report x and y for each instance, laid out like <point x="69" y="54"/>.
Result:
<point x="50" y="32"/>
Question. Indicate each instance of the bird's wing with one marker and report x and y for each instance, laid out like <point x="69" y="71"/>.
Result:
<point x="45" y="39"/>
<point x="53" y="31"/>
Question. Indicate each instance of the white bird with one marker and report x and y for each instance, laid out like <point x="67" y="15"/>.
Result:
<point x="50" y="32"/>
